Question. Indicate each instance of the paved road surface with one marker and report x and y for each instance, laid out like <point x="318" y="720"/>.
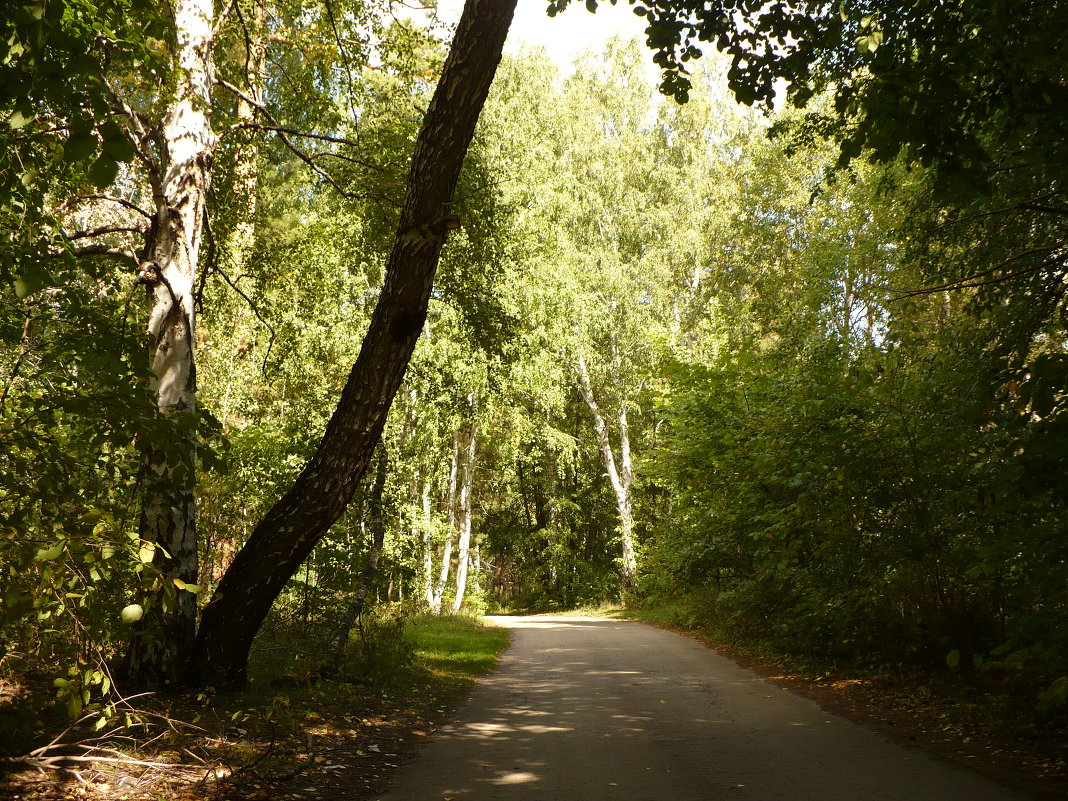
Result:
<point x="584" y="709"/>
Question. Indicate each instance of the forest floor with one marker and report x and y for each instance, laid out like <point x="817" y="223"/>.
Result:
<point x="335" y="740"/>
<point x="957" y="724"/>
<point x="294" y="737"/>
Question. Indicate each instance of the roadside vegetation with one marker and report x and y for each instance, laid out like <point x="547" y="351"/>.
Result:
<point x="291" y="734"/>
<point x="313" y="323"/>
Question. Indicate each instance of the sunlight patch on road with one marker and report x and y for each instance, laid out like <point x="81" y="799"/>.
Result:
<point x="515" y="777"/>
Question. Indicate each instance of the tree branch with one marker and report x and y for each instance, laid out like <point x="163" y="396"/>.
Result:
<point x="223" y="18"/>
<point x="1045" y="209"/>
<point x="102" y="250"/>
<point x="303" y="134"/>
<point x="1027" y="204"/>
<point x="24" y="351"/>
<point x="283" y="136"/>
<point x="971" y="282"/>
<point x="138" y="135"/>
<point x="120" y="201"/>
<point x="103" y="230"/>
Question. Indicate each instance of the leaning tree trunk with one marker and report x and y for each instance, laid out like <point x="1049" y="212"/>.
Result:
<point x="620" y="478"/>
<point x="290" y="529"/>
<point x="168" y="522"/>
<point x="463" y="517"/>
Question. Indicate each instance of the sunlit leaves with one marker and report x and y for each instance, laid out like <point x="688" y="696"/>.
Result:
<point x="132" y="613"/>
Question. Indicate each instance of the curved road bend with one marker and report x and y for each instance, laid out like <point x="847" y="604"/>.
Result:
<point x="586" y="709"/>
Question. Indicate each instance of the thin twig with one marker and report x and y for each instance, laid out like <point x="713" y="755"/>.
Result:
<point x="24" y="350"/>
<point x="282" y="135"/>
<point x="1045" y="209"/>
<point x="137" y="134"/>
<point x="223" y="18"/>
<point x="962" y="285"/>
<point x="344" y="59"/>
<point x="213" y="261"/>
<point x="994" y="212"/>
<point x="293" y="132"/>
<point x="959" y="282"/>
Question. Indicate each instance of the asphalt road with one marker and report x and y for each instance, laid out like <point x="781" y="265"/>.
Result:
<point x="585" y="709"/>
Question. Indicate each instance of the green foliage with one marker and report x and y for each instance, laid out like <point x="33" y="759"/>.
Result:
<point x="382" y="646"/>
<point x="457" y="647"/>
<point x="949" y="83"/>
<point x="846" y="398"/>
<point x="73" y="421"/>
<point x="848" y="475"/>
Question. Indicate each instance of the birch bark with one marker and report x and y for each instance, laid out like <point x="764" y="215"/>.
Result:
<point x="168" y="520"/>
<point x="621" y="478"/>
<point x="450" y="528"/>
<point x="428" y="549"/>
<point x="463" y="514"/>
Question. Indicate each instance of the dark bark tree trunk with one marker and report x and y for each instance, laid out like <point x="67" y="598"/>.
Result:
<point x="289" y="531"/>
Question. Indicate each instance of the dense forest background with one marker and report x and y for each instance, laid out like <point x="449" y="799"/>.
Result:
<point x="797" y="373"/>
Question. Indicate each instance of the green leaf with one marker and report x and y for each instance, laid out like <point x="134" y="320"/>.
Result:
<point x="953" y="658"/>
<point x="34" y="10"/>
<point x="132" y="613"/>
<point x="49" y="553"/>
<point x="104" y="171"/>
<point x="147" y="552"/>
<point x="18" y="120"/>
<point x="120" y="149"/>
<point x="80" y="146"/>
<point x="33" y="277"/>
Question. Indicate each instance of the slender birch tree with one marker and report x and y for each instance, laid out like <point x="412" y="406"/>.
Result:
<point x="463" y="507"/>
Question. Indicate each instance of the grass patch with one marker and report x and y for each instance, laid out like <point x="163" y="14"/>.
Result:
<point x="456" y="649"/>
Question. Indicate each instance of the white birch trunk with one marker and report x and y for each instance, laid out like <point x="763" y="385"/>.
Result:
<point x="476" y="566"/>
<point x="464" y="515"/>
<point x="620" y="479"/>
<point x="428" y="549"/>
<point x="168" y="513"/>
<point x="446" y="556"/>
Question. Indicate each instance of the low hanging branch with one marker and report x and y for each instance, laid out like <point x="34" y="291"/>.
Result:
<point x="214" y="266"/>
<point x="987" y="277"/>
<point x="121" y="201"/>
